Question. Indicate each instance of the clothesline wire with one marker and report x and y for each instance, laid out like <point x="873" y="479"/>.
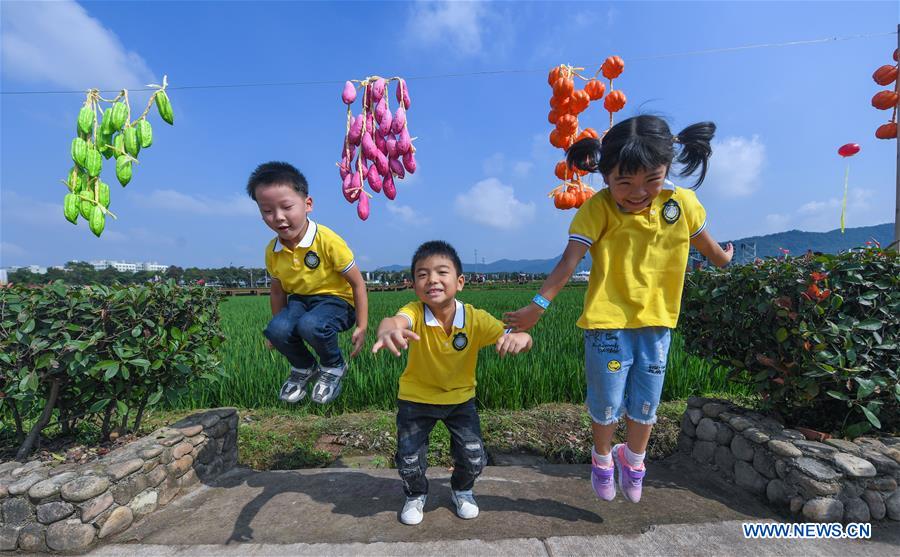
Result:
<point x="477" y="73"/>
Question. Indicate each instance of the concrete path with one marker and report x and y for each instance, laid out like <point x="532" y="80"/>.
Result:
<point x="547" y="510"/>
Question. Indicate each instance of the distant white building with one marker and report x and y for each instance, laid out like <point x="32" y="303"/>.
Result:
<point x="36" y="269"/>
<point x="152" y="267"/>
<point x="3" y="278"/>
<point x="120" y="266"/>
<point x="581" y="276"/>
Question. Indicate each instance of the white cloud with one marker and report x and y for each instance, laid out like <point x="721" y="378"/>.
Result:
<point x="26" y="210"/>
<point x="7" y="249"/>
<point x="735" y="166"/>
<point x="406" y="214"/>
<point x="494" y="164"/>
<point x="494" y="204"/>
<point x="497" y="164"/>
<point x="826" y="214"/>
<point x="149" y="237"/>
<point x="816" y="207"/>
<point x="612" y="15"/>
<point x="776" y="222"/>
<point x="823" y="215"/>
<point x="522" y="168"/>
<point x="59" y="43"/>
<point x="171" y="200"/>
<point x="456" y="27"/>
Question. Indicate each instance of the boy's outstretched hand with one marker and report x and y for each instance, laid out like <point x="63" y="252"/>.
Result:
<point x="358" y="339"/>
<point x="524" y="318"/>
<point x="394" y="340"/>
<point x="513" y="343"/>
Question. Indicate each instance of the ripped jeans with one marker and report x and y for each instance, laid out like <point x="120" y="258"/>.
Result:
<point x="414" y="424"/>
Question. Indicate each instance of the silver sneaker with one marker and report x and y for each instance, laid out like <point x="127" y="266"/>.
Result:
<point x="413" y="510"/>
<point x="466" y="507"/>
<point x="294" y="388"/>
<point x="328" y="387"/>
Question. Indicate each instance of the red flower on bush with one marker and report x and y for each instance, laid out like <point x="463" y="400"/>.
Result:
<point x="818" y="276"/>
<point x="815" y="294"/>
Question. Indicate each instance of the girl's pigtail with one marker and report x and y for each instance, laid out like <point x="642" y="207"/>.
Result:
<point x="695" y="149"/>
<point x="585" y="155"/>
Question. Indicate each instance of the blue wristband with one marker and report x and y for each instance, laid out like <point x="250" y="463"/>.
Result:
<point x="541" y="301"/>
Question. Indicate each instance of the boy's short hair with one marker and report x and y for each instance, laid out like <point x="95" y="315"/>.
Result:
<point x="436" y="247"/>
<point x="277" y="173"/>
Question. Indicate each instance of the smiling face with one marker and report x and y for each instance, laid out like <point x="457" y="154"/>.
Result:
<point x="435" y="280"/>
<point x="635" y="192"/>
<point x="284" y="210"/>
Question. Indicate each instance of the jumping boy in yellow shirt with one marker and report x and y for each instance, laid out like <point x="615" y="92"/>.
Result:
<point x="439" y="380"/>
<point x="317" y="289"/>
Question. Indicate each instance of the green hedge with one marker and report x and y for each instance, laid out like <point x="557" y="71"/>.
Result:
<point x="816" y="336"/>
<point x="99" y="352"/>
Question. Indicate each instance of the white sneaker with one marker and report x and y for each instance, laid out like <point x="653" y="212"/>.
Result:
<point x="466" y="507"/>
<point x="294" y="388"/>
<point x="328" y="387"/>
<point x="412" y="512"/>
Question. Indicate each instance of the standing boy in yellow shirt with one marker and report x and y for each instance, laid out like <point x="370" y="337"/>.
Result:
<point x="439" y="380"/>
<point x="317" y="289"/>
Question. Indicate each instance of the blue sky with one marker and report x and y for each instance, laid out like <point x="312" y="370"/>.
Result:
<point x="485" y="164"/>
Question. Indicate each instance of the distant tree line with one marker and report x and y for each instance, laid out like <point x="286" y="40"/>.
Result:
<point x="80" y="272"/>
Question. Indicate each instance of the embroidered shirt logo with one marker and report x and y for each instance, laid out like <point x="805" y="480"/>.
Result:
<point x="671" y="211"/>
<point x="460" y="341"/>
<point x="311" y="260"/>
<point x="614" y="365"/>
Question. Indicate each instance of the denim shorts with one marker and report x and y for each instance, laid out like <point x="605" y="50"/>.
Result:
<point x="625" y="370"/>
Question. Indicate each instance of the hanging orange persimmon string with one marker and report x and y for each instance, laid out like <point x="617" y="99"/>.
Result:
<point x="887" y="99"/>
<point x="566" y="104"/>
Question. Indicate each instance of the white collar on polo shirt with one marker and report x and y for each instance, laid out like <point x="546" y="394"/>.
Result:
<point x="459" y="319"/>
<point x="305" y="242"/>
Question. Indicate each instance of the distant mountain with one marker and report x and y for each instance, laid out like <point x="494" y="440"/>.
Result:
<point x="796" y="241"/>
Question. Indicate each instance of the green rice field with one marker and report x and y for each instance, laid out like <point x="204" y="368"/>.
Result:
<point x="552" y="372"/>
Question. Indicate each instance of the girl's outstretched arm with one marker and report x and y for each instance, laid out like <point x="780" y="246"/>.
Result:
<point x="707" y="245"/>
<point x="526" y="317"/>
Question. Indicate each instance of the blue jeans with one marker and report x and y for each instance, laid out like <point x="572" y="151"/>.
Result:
<point x="312" y="320"/>
<point x="414" y="424"/>
<point x="625" y="371"/>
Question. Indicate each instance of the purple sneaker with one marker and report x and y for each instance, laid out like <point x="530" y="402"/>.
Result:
<point x="602" y="481"/>
<point x="630" y="479"/>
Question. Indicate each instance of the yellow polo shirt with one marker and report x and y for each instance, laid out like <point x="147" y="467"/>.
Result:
<point x="638" y="259"/>
<point x="440" y="368"/>
<point x="316" y="266"/>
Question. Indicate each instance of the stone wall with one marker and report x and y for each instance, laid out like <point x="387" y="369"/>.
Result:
<point x="834" y="481"/>
<point x="69" y="507"/>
